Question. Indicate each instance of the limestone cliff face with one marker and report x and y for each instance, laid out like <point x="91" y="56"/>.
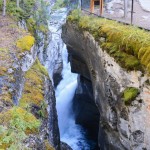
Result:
<point x="120" y="126"/>
<point x="26" y="88"/>
<point x="49" y="128"/>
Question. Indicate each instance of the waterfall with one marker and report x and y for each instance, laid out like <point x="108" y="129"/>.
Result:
<point x="70" y="133"/>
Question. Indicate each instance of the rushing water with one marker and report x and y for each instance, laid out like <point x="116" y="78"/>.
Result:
<point x="74" y="135"/>
<point x="70" y="133"/>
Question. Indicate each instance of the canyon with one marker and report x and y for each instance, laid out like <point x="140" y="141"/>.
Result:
<point x="69" y="88"/>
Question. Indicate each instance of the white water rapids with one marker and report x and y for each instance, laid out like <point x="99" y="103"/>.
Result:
<point x="70" y="133"/>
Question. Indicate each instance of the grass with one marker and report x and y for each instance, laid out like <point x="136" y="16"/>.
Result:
<point x="129" y="94"/>
<point x="129" y="45"/>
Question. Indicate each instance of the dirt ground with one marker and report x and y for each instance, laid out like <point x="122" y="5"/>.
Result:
<point x="9" y="34"/>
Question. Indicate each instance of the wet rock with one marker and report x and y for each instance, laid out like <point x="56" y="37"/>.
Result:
<point x="137" y="138"/>
<point x="121" y="127"/>
<point x="65" y="146"/>
<point x="57" y="76"/>
<point x="85" y="110"/>
<point x="54" y="136"/>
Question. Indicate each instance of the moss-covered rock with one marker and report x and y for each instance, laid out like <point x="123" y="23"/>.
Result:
<point x="25" y="43"/>
<point x="129" y="94"/>
<point x="34" y="78"/>
<point x="127" y="44"/>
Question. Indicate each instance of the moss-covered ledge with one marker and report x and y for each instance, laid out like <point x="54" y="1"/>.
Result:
<point x="33" y="88"/>
<point x="130" y="46"/>
<point x="27" y="120"/>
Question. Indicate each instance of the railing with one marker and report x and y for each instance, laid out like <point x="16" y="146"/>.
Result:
<point x="134" y="12"/>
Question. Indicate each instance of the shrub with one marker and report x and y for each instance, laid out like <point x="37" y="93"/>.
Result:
<point x="130" y="94"/>
<point x="16" y="124"/>
<point x="25" y="43"/>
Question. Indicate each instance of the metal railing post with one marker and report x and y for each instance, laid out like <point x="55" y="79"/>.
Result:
<point x="132" y="7"/>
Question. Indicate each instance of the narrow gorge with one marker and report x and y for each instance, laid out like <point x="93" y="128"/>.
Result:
<point x="59" y="68"/>
<point x="70" y="81"/>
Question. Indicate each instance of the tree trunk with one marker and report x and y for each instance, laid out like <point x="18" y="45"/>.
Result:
<point x="4" y="8"/>
<point x="17" y="3"/>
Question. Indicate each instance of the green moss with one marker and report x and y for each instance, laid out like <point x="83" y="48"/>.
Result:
<point x="131" y="62"/>
<point x="3" y="50"/>
<point x="130" y="94"/>
<point x="37" y="66"/>
<point x="75" y="15"/>
<point x="129" y="45"/>
<point x="25" y="43"/>
<point x="34" y="78"/>
<point x="19" y="121"/>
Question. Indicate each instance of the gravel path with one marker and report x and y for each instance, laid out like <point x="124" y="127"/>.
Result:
<point x="145" y="4"/>
<point x="115" y="11"/>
